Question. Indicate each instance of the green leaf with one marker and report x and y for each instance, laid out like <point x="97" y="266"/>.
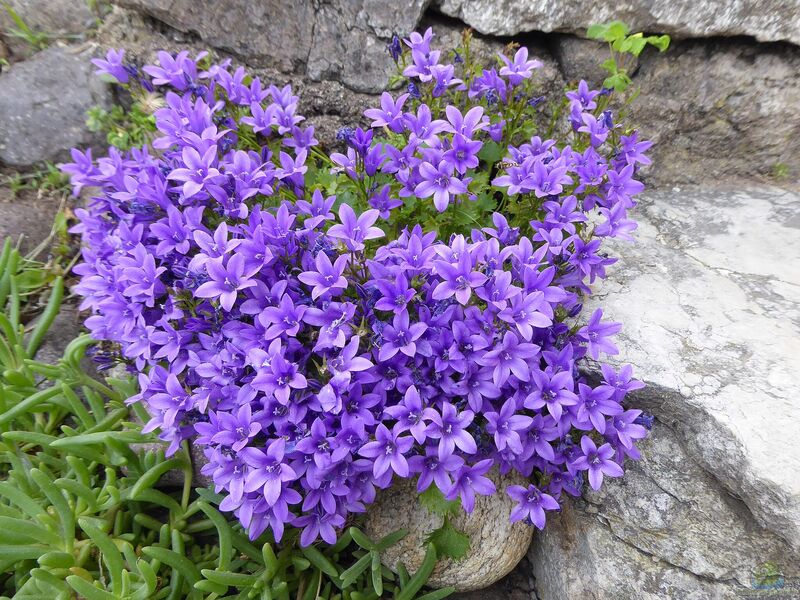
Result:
<point x="434" y="502"/>
<point x="616" y="30"/>
<point x="449" y="541"/>
<point x="659" y="41"/>
<point x="491" y="152"/>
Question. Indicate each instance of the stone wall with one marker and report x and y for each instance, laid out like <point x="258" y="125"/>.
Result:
<point x="708" y="295"/>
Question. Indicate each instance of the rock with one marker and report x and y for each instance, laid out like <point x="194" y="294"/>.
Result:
<point x="720" y="109"/>
<point x="708" y="298"/>
<point x="55" y="18"/>
<point x="517" y="585"/>
<point x="496" y="545"/>
<point x="580" y="59"/>
<point x="342" y="40"/>
<point x="667" y="529"/>
<point x="278" y="33"/>
<point x="350" y="38"/>
<point x="26" y="217"/>
<point x="44" y="101"/>
<point x="765" y="20"/>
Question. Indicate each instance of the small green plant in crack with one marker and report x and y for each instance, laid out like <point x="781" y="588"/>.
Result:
<point x="125" y="128"/>
<point x="624" y="47"/>
<point x="38" y="40"/>
<point x="47" y="179"/>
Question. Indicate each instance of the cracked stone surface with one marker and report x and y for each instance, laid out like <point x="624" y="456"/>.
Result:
<point x="710" y="301"/>
<point x="765" y="20"/>
<point x="665" y="530"/>
<point x="342" y="40"/>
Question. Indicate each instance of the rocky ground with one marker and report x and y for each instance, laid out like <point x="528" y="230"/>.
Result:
<point x="709" y="294"/>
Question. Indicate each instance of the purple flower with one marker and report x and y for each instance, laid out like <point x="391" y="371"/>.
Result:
<point x="432" y="469"/>
<point x="401" y="336"/>
<point x="237" y="430"/>
<point x="327" y="278"/>
<point x="226" y="281"/>
<point x="596" y="333"/>
<point x="458" y="280"/>
<point x="439" y="182"/>
<point x="520" y="68"/>
<point x="199" y="170"/>
<point x="597" y="461"/>
<point x="387" y="452"/>
<point x="532" y="503"/>
<point x="390" y="114"/>
<point x="411" y="415"/>
<point x="353" y="230"/>
<point x="112" y="65"/>
<point x="469" y="481"/>
<point x="449" y="428"/>
<point x="510" y="356"/>
<point x="506" y="426"/>
<point x="594" y="405"/>
<point x="268" y="471"/>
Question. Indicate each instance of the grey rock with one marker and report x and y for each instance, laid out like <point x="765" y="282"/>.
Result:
<point x="765" y="20"/>
<point x="350" y="37"/>
<point x="579" y="58"/>
<point x="720" y="109"/>
<point x="341" y="40"/>
<point x="277" y="33"/>
<point x="26" y="218"/>
<point x="667" y="529"/>
<point x="710" y="301"/>
<point x="56" y="18"/>
<point x="43" y="103"/>
<point x="496" y="545"/>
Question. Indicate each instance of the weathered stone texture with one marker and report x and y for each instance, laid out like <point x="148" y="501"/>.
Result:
<point x="709" y="300"/>
<point x="496" y="545"/>
<point x="765" y="20"/>
<point x="43" y="104"/>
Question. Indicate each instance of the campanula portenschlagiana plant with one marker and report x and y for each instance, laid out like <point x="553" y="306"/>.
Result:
<point x="410" y="307"/>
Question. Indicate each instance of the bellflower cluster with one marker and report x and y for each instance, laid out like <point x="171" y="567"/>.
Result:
<point x="308" y="320"/>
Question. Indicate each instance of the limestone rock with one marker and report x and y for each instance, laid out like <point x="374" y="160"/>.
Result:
<point x="664" y="530"/>
<point x="496" y="545"/>
<point x="720" y="109"/>
<point x="765" y="20"/>
<point x="26" y="217"/>
<point x="342" y="40"/>
<point x="43" y="103"/>
<point x="278" y="33"/>
<point x="708" y="298"/>
<point x="55" y="18"/>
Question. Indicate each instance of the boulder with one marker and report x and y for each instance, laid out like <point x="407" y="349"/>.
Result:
<point x="26" y="217"/>
<point x="765" y="20"/>
<point x="708" y="299"/>
<point x="57" y="19"/>
<point x="43" y="103"/>
<point x="720" y="108"/>
<point x="667" y="529"/>
<point x="341" y="40"/>
<point x="496" y="544"/>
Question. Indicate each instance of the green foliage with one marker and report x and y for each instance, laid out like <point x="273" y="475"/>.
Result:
<point x="36" y="39"/>
<point x="48" y="178"/>
<point x="623" y="45"/>
<point x="82" y="511"/>
<point x="447" y="540"/>
<point x="123" y="128"/>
